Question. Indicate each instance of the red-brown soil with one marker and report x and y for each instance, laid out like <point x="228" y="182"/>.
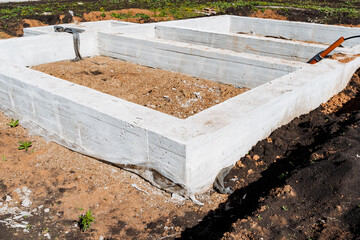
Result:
<point x="61" y="185"/>
<point x="5" y="35"/>
<point x="169" y="92"/>
<point x="268" y="13"/>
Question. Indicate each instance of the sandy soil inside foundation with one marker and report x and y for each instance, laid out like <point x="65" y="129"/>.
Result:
<point x="169" y="92"/>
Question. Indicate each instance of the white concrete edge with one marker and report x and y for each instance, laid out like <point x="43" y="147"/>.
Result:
<point x="293" y="30"/>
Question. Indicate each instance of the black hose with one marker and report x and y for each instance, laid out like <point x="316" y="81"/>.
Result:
<point x="357" y="36"/>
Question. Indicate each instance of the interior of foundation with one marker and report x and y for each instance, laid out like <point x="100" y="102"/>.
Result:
<point x="173" y="93"/>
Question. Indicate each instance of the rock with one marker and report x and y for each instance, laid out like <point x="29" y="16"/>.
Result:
<point x="26" y="202"/>
<point x="177" y="198"/>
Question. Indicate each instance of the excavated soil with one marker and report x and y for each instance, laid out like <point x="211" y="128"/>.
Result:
<point x="302" y="182"/>
<point x="169" y="92"/>
<point x="44" y="190"/>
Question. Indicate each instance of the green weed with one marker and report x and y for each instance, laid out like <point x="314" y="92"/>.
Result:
<point x="24" y="145"/>
<point x="142" y="15"/>
<point x="284" y="208"/>
<point x="86" y="220"/>
<point x="13" y="123"/>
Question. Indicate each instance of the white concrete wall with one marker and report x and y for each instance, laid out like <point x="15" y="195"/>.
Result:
<point x="100" y="26"/>
<point x="220" y="24"/>
<point x="93" y="123"/>
<point x="278" y="48"/>
<point x="240" y="69"/>
<point x="313" y="32"/>
<point x="47" y="48"/>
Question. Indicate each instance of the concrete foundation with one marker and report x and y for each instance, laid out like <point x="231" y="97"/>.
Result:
<point x="190" y="152"/>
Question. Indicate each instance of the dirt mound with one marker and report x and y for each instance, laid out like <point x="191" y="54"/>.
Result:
<point x="349" y="93"/>
<point x="268" y="13"/>
<point x="5" y="35"/>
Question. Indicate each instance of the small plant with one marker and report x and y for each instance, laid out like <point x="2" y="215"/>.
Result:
<point x="13" y="123"/>
<point x="259" y="218"/>
<point x="24" y="145"/>
<point x="283" y="175"/>
<point x="284" y="208"/>
<point x="29" y="226"/>
<point x="45" y="230"/>
<point x="3" y="158"/>
<point x="86" y="220"/>
<point x="358" y="206"/>
<point x="142" y="15"/>
<point x="103" y="15"/>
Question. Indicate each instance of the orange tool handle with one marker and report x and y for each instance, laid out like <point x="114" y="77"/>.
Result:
<point x="324" y="53"/>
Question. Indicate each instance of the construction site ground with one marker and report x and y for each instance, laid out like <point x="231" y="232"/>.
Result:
<point x="301" y="182"/>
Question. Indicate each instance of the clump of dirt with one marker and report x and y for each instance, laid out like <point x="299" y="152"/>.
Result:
<point x="169" y="92"/>
<point x="5" y="35"/>
<point x="349" y="93"/>
<point x="268" y="13"/>
<point x="343" y="58"/>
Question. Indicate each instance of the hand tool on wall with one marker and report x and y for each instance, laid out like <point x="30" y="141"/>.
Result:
<point x="76" y="38"/>
<point x="318" y="57"/>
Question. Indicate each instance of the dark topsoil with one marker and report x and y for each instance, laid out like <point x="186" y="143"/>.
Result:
<point x="303" y="182"/>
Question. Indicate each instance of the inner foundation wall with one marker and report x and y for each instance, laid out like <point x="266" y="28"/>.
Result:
<point x="276" y="48"/>
<point x="320" y="33"/>
<point x="31" y="51"/>
<point x="223" y="66"/>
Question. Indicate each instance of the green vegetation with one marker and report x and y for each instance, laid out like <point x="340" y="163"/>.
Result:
<point x="328" y="11"/>
<point x="86" y="220"/>
<point x="3" y="158"/>
<point x="13" y="123"/>
<point x="284" y="208"/>
<point x="45" y="230"/>
<point x="24" y="145"/>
